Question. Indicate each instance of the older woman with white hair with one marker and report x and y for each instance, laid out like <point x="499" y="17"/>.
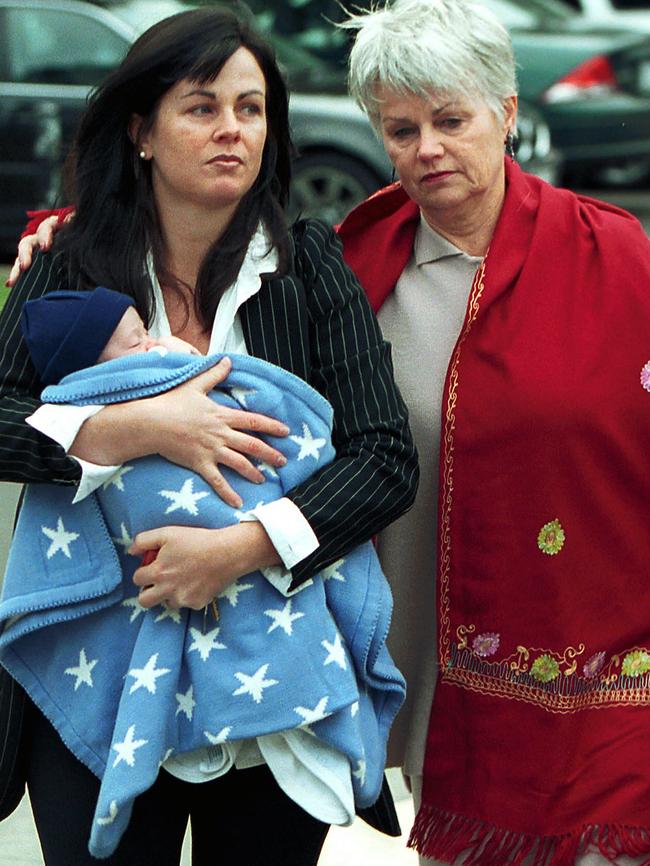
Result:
<point x="520" y="321"/>
<point x="519" y="317"/>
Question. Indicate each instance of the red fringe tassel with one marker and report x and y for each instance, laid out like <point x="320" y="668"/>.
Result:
<point x="447" y="837"/>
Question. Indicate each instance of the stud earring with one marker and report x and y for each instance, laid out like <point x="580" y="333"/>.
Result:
<point x="142" y="154"/>
<point x="510" y="145"/>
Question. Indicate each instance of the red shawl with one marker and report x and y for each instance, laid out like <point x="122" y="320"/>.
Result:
<point x="539" y="741"/>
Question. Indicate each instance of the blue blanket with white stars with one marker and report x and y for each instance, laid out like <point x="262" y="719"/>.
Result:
<point x="127" y="687"/>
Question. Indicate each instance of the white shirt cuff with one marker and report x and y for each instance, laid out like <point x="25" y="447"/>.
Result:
<point x="292" y="537"/>
<point x="62" y="423"/>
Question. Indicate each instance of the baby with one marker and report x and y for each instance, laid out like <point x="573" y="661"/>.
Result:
<point x="67" y="331"/>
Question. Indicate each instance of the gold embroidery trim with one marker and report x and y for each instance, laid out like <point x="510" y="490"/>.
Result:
<point x="446" y="499"/>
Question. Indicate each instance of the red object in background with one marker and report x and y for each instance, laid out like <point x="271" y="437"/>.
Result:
<point x="149" y="557"/>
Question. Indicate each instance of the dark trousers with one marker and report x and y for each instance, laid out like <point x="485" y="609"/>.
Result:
<point x="241" y="819"/>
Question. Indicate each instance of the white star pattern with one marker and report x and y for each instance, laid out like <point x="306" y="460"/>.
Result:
<point x="168" y="613"/>
<point x="116" y="479"/>
<point x="184" y="499"/>
<point x="126" y="749"/>
<point x="254" y="685"/>
<point x="335" y="652"/>
<point x="146" y="677"/>
<point x="240" y="395"/>
<point x="221" y="737"/>
<point x="314" y="715"/>
<point x="332" y="571"/>
<point x="186" y="703"/>
<point x="354" y="709"/>
<point x="83" y="671"/>
<point x="167" y="755"/>
<point x="309" y="447"/>
<point x="233" y="590"/>
<point x="360" y="772"/>
<point x="112" y="815"/>
<point x="267" y="469"/>
<point x="283" y="618"/>
<point x="280" y="578"/>
<point x="134" y="602"/>
<point x="125" y="540"/>
<point x="60" y="538"/>
<point x="205" y="643"/>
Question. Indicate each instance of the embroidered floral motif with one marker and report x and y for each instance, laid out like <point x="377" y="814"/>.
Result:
<point x="593" y="665"/>
<point x="551" y="538"/>
<point x="645" y="376"/>
<point x="636" y="663"/>
<point x="486" y="644"/>
<point x="545" y="668"/>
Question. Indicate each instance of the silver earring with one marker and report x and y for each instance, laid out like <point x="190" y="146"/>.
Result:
<point x="510" y="145"/>
<point x="142" y="154"/>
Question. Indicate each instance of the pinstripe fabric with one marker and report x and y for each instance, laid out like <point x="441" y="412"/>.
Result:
<point x="25" y="454"/>
<point x="315" y="322"/>
<point x="318" y="324"/>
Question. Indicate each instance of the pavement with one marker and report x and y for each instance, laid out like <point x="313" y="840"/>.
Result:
<point x="358" y="845"/>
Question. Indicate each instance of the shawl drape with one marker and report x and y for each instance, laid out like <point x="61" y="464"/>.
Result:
<point x="539" y="740"/>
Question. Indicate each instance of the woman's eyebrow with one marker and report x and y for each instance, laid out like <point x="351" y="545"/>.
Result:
<point x="210" y="95"/>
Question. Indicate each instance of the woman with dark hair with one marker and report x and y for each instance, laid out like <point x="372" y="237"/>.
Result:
<point x="181" y="171"/>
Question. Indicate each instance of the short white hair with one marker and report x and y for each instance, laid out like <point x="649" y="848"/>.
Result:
<point x="456" y="47"/>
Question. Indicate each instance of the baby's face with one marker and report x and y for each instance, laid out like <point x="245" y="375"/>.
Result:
<point x="128" y="338"/>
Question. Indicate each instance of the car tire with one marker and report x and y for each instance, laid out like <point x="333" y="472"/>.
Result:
<point x="328" y="185"/>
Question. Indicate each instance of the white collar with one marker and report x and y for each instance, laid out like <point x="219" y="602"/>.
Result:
<point x="260" y="258"/>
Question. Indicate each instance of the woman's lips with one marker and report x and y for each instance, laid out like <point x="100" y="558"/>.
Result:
<point x="225" y="159"/>
<point x="436" y="176"/>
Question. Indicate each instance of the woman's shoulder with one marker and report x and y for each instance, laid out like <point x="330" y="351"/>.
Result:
<point x="313" y="241"/>
<point x="48" y="272"/>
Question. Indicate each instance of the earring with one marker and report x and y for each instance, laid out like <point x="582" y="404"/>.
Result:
<point x="142" y="154"/>
<point x="510" y="145"/>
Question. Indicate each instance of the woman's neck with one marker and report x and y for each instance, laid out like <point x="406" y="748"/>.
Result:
<point x="187" y="234"/>
<point x="471" y="226"/>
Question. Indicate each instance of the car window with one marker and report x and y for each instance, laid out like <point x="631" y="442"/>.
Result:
<point x="640" y="5"/>
<point x="526" y="14"/>
<point x="47" y="46"/>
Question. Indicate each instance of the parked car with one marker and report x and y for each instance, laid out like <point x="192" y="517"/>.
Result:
<point x="590" y="79"/>
<point x="629" y="13"/>
<point x="52" y="52"/>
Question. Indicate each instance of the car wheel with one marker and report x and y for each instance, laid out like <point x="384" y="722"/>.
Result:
<point x="328" y="185"/>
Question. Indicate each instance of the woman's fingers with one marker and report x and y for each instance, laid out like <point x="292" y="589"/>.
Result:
<point x="27" y="246"/>
<point x="218" y="483"/>
<point x="14" y="273"/>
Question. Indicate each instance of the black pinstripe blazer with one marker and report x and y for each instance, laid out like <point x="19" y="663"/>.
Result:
<point x="316" y="322"/>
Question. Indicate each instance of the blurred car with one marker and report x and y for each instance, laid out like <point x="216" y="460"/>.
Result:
<point x="629" y="13"/>
<point x="589" y="78"/>
<point x="591" y="81"/>
<point x="52" y="52"/>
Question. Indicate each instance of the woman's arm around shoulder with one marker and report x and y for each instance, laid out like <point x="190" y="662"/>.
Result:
<point x="25" y="454"/>
<point x="374" y="477"/>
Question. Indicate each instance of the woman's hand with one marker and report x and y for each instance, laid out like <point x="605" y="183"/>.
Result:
<point x="200" y="434"/>
<point x="185" y="426"/>
<point x="194" y="565"/>
<point x="27" y="245"/>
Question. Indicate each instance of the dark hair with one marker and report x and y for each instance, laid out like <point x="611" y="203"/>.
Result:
<point x="116" y="223"/>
